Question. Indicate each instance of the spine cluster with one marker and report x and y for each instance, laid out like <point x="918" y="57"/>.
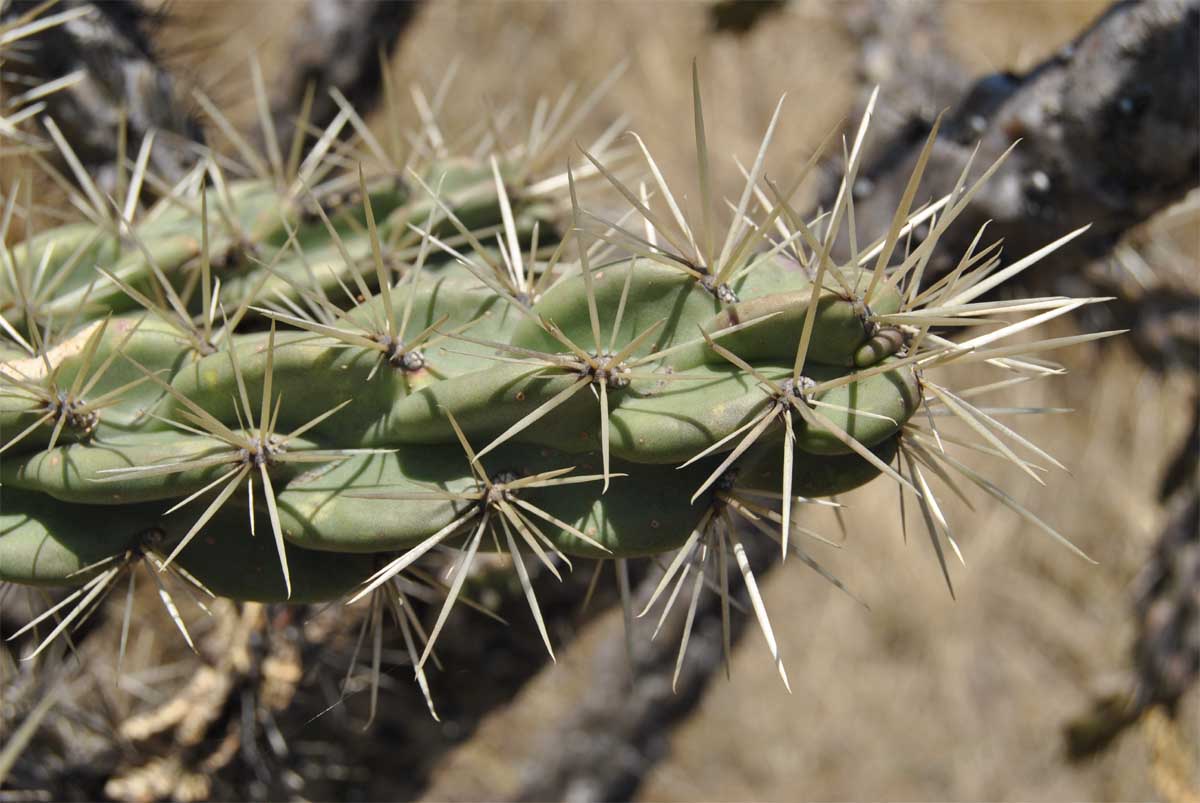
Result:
<point x="292" y="385"/>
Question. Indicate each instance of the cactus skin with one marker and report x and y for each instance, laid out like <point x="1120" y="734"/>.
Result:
<point x="652" y="424"/>
<point x="292" y="397"/>
<point x="43" y="544"/>
<point x="227" y="541"/>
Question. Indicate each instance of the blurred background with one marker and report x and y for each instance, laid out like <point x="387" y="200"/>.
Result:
<point x="1031" y="685"/>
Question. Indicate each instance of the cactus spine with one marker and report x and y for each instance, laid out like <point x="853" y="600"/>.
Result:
<point x="422" y="353"/>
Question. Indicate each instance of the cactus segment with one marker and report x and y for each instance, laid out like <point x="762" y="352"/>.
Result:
<point x="326" y="508"/>
<point x="84" y="386"/>
<point x="299" y="359"/>
<point x="227" y="542"/>
<point x="351" y="506"/>
<point x="43" y="544"/>
<point x="840" y="330"/>
<point x="870" y="410"/>
<point x="645" y="512"/>
<point x="658" y="294"/>
<point x="169" y="254"/>
<point x="141" y="467"/>
<point x="429" y="353"/>
<point x="66" y="255"/>
<point x="485" y="403"/>
<point x="673" y="421"/>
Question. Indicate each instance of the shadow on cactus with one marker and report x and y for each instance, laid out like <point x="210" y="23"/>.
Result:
<point x="391" y="348"/>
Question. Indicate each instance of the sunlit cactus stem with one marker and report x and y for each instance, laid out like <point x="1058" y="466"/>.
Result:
<point x="296" y="381"/>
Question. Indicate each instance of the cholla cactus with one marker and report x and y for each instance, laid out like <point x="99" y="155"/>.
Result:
<point x="370" y="354"/>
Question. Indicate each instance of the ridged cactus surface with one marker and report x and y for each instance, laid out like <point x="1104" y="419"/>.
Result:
<point x="292" y="385"/>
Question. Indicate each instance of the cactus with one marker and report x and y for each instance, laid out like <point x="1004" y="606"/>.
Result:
<point x="291" y="386"/>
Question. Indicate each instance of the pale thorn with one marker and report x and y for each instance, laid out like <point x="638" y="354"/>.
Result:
<point x="562" y="133"/>
<point x="736" y="227"/>
<point x="512" y="248"/>
<point x="966" y="414"/>
<point x="620" y="314"/>
<point x="169" y="604"/>
<point x="559" y="398"/>
<point x="998" y="278"/>
<point x="593" y="583"/>
<point x="382" y="275"/>
<point x="751" y="423"/>
<point x="262" y="106"/>
<point x="276" y="529"/>
<point x="456" y="585"/>
<point x="626" y="595"/>
<point x="786" y="502"/>
<point x="913" y="222"/>
<point x="530" y="534"/>
<point x="245" y="151"/>
<point x="412" y="555"/>
<point x="661" y="183"/>
<point x="703" y="169"/>
<point x="376" y="656"/>
<point x="938" y="442"/>
<point x="604" y="448"/>
<point x="815" y="403"/>
<point x="1021" y="326"/>
<point x="212" y="509"/>
<point x="360" y="127"/>
<point x="752" y="436"/>
<point x="670" y="603"/>
<point x="723" y="594"/>
<point x="95" y="198"/>
<point x="706" y="336"/>
<point x="986" y="414"/>
<point x="312" y="162"/>
<point x="134" y="191"/>
<point x="691" y="614"/>
<point x="429" y="126"/>
<point x="804" y="558"/>
<point x="584" y="268"/>
<point x="846" y="187"/>
<point x="300" y="130"/>
<point x="931" y="529"/>
<point x="946" y="286"/>
<point x="935" y="510"/>
<point x="652" y="219"/>
<point x="527" y="587"/>
<point x="575" y="531"/>
<point x="94" y="588"/>
<point x="191" y="497"/>
<point x="680" y="556"/>
<point x="997" y="355"/>
<point x="65" y="601"/>
<point x="1008" y="501"/>
<point x="418" y="671"/>
<point x="899" y="218"/>
<point x="760" y="609"/>
<point x="31" y="24"/>
<point x="126" y="618"/>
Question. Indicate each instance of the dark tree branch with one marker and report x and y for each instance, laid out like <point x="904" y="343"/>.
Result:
<point x="1109" y="136"/>
<point x="117" y="71"/>
<point x="1166" y="650"/>
<point x="339" y="45"/>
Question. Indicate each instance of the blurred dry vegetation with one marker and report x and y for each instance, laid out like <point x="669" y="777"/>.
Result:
<point x="921" y="697"/>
